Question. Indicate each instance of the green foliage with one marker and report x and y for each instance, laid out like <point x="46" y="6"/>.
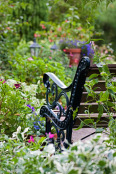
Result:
<point x="8" y="35"/>
<point x="13" y="106"/>
<point x="32" y="70"/>
<point x="105" y="24"/>
<point x="92" y="157"/>
<point x="80" y="11"/>
<point x="28" y="14"/>
<point x="103" y="99"/>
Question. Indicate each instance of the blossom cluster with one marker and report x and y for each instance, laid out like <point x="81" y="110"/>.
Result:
<point x="86" y="48"/>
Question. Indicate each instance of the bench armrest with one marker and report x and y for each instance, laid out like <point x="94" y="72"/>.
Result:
<point x="56" y="80"/>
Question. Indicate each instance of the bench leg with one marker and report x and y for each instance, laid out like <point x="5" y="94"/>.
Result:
<point x="48" y="125"/>
<point x="69" y="131"/>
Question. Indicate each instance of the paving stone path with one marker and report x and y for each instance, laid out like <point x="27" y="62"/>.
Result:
<point x="79" y="134"/>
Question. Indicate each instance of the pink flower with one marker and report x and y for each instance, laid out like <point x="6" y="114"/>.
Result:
<point x="51" y="135"/>
<point x="50" y="40"/>
<point x="70" y="66"/>
<point x="43" y="26"/>
<point x="30" y="59"/>
<point x="3" y="81"/>
<point x="59" y="29"/>
<point x="79" y="28"/>
<point x="8" y="28"/>
<point x="50" y="57"/>
<point x="64" y="50"/>
<point x="71" y="54"/>
<point x="106" y="51"/>
<point x="66" y="21"/>
<point x="55" y="35"/>
<point x="17" y="85"/>
<point x="31" y="139"/>
<point x="76" y="60"/>
<point x="35" y="35"/>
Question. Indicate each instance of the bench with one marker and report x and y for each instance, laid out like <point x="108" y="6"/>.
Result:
<point x="62" y="119"/>
<point x="72" y="104"/>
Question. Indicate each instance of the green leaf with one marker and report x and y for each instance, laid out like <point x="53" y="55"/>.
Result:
<point x="100" y="110"/>
<point x="102" y="163"/>
<point x="104" y="96"/>
<point x="110" y="103"/>
<point x="80" y="126"/>
<point x="93" y="76"/>
<point x="88" y="121"/>
<point x="87" y="89"/>
<point x="99" y="130"/>
<point x="75" y="113"/>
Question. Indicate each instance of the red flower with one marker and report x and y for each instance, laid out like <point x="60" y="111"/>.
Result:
<point x="17" y="85"/>
<point x="64" y="50"/>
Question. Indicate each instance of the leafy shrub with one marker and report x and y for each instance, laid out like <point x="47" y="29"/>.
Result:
<point x="15" y="99"/>
<point x="90" y="157"/>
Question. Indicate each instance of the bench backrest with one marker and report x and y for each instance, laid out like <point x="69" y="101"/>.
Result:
<point x="78" y="82"/>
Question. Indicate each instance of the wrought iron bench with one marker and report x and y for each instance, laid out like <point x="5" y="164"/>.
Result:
<point x="72" y="103"/>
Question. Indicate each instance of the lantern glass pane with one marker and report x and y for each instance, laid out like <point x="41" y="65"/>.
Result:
<point x="32" y="52"/>
<point x="36" y="52"/>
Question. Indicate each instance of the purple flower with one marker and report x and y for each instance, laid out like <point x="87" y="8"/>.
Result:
<point x="86" y="49"/>
<point x="36" y="127"/>
<point x="31" y="107"/>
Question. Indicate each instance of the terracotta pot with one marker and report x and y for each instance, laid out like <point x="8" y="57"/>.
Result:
<point x="74" y="54"/>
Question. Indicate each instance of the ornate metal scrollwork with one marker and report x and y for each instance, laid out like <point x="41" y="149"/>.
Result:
<point x="55" y="104"/>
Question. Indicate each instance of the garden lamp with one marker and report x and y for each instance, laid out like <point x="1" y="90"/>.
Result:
<point x="34" y="48"/>
<point x="54" y="47"/>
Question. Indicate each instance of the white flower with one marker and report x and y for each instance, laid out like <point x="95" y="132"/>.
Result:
<point x="26" y="130"/>
<point x="50" y="149"/>
<point x="11" y="82"/>
<point x="15" y="134"/>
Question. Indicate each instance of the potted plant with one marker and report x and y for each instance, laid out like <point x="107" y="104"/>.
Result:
<point x="75" y="50"/>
